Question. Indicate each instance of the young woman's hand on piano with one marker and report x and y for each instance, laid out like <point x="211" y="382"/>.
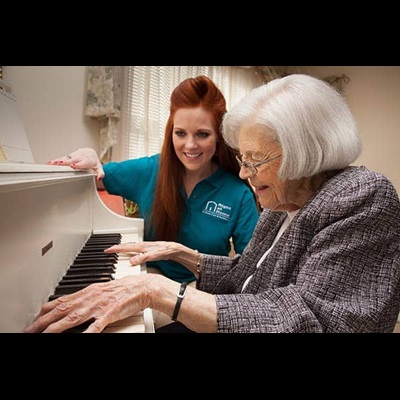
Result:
<point x="81" y="159"/>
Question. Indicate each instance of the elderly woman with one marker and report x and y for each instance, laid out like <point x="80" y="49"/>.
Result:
<point x="324" y="256"/>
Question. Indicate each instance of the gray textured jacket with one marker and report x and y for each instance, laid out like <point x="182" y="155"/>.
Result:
<point x="336" y="268"/>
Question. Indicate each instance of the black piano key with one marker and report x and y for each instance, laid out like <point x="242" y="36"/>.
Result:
<point x="83" y="280"/>
<point x="104" y="239"/>
<point x="80" y="328"/>
<point x="94" y="250"/>
<point x="88" y="274"/>
<point x="103" y="235"/>
<point x="90" y="254"/>
<point x="68" y="289"/>
<point x="93" y="264"/>
<point x="94" y="261"/>
<point x="102" y="243"/>
<point x="90" y="269"/>
<point x="56" y="296"/>
<point x="99" y="245"/>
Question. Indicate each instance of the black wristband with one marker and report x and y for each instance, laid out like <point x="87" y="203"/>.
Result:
<point x="181" y="295"/>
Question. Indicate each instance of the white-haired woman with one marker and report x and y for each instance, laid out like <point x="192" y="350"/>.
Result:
<point x="324" y="256"/>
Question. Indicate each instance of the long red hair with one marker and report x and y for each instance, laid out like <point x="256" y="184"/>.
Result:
<point x="168" y="202"/>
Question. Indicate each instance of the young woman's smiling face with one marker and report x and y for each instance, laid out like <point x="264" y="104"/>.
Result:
<point x="194" y="138"/>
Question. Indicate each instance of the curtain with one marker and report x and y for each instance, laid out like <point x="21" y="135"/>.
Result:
<point x="103" y="102"/>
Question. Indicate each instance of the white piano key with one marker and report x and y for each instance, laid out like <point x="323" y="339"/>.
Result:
<point x="130" y="237"/>
<point x="133" y="324"/>
<point x="134" y="328"/>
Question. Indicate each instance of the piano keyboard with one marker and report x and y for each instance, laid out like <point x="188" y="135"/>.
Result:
<point x="92" y="265"/>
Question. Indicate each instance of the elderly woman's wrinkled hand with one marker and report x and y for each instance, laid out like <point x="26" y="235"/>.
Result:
<point x="141" y="252"/>
<point x="102" y="303"/>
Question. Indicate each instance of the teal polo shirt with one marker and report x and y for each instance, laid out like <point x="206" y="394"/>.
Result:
<point x="220" y="207"/>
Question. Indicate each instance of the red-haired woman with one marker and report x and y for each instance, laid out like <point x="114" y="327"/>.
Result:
<point x="191" y="192"/>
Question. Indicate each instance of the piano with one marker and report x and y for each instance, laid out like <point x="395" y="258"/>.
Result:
<point x="48" y="214"/>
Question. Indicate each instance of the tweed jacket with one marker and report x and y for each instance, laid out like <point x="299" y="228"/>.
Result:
<point x="336" y="268"/>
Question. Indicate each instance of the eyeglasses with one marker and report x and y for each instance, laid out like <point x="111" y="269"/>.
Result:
<point x="252" y="167"/>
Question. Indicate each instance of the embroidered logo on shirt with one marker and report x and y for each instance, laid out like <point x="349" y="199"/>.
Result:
<point x="218" y="210"/>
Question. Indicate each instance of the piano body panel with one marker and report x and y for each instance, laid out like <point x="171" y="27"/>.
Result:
<point x="46" y="219"/>
<point x="45" y="229"/>
<point x="105" y="219"/>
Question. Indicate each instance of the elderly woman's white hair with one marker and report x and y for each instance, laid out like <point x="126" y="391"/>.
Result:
<point x="311" y="121"/>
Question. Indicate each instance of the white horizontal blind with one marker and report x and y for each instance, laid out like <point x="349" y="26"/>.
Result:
<point x="146" y="92"/>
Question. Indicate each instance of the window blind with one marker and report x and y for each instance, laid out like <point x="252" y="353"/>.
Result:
<point x="146" y="91"/>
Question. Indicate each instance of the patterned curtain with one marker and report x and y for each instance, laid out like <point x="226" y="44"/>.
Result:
<point x="338" y="81"/>
<point x="104" y="103"/>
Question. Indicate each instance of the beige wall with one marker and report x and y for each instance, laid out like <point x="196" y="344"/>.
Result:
<point x="51" y="102"/>
<point x="373" y="95"/>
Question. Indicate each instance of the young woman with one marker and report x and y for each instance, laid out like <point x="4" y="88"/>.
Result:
<point x="190" y="193"/>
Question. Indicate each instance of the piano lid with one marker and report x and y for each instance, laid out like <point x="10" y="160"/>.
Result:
<point x="15" y="150"/>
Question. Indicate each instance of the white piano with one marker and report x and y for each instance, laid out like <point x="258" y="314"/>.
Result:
<point x="47" y="213"/>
